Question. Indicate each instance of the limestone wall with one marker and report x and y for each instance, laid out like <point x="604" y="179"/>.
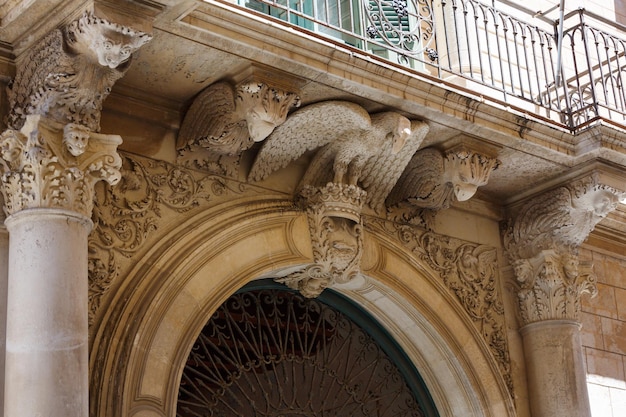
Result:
<point x="604" y="336"/>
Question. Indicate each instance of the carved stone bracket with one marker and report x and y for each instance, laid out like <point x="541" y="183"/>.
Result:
<point x="48" y="165"/>
<point x="433" y="180"/>
<point x="542" y="242"/>
<point x="126" y="216"/>
<point x="469" y="271"/>
<point x="336" y="229"/>
<point x="67" y="76"/>
<point x="224" y="121"/>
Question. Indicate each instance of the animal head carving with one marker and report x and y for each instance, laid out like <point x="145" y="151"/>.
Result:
<point x="108" y="44"/>
<point x="466" y="171"/>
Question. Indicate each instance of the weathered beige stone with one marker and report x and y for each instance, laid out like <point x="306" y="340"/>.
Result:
<point x="556" y="376"/>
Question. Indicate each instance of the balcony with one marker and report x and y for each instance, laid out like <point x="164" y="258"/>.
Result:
<point x="484" y="50"/>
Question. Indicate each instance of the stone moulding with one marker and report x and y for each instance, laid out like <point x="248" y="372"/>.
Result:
<point x="336" y="231"/>
<point x="126" y="216"/>
<point x="223" y="121"/>
<point x="469" y="271"/>
<point x="46" y="166"/>
<point x="542" y="242"/>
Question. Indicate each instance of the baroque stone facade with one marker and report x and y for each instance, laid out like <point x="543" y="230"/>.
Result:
<point x="239" y="147"/>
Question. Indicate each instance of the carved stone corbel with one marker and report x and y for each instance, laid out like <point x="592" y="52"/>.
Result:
<point x="336" y="229"/>
<point x="434" y="179"/>
<point x="223" y="121"/>
<point x="46" y="164"/>
<point x="70" y="72"/>
<point x="542" y="243"/>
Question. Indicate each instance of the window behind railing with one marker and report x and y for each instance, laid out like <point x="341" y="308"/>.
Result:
<point x="480" y="48"/>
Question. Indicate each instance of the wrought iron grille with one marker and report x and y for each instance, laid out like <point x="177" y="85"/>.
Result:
<point x="274" y="353"/>
<point x="477" y="46"/>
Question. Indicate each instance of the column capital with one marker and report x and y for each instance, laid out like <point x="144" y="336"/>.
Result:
<point x="49" y="165"/>
<point x="542" y="239"/>
<point x="550" y="286"/>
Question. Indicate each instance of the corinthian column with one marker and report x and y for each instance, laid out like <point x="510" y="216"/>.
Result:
<point x="51" y="159"/>
<point x="542" y="243"/>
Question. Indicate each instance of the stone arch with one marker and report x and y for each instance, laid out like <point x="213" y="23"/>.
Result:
<point x="178" y="284"/>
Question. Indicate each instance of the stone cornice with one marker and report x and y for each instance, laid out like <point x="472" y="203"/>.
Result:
<point x="421" y="95"/>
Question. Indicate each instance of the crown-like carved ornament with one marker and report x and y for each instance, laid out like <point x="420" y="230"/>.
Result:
<point x="46" y="164"/>
<point x="542" y="243"/>
<point x="223" y="121"/>
<point x="70" y="72"/>
<point x="336" y="230"/>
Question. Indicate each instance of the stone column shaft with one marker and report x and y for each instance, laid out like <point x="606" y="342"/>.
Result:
<point x="542" y="242"/>
<point x="47" y="346"/>
<point x="4" y="281"/>
<point x="555" y="371"/>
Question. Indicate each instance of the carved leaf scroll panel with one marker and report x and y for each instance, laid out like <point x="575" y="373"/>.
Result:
<point x="273" y="353"/>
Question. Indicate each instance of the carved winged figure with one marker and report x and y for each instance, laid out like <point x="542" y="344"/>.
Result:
<point x="354" y="147"/>
<point x="222" y="122"/>
<point x="71" y="71"/>
<point x="559" y="219"/>
<point x="433" y="180"/>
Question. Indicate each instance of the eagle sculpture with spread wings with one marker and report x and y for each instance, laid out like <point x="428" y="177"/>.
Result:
<point x="354" y="148"/>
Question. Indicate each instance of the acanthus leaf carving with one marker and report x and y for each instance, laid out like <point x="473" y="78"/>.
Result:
<point x="336" y="231"/>
<point x="542" y="243"/>
<point x="126" y="216"/>
<point x="223" y="121"/>
<point x="67" y="76"/>
<point x="433" y="180"/>
<point x="469" y="271"/>
<point x="549" y="286"/>
<point x="40" y="169"/>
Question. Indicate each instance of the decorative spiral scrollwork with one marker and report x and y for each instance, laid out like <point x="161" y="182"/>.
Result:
<point x="271" y="353"/>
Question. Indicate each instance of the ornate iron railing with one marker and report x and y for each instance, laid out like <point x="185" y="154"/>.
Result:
<point x="480" y="48"/>
<point x="274" y="353"/>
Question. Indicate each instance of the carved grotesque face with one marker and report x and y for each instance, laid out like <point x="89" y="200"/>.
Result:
<point x="112" y="48"/>
<point x="76" y="138"/>
<point x="109" y="44"/>
<point x="603" y="203"/>
<point x="260" y="123"/>
<point x="343" y="241"/>
<point x="463" y="182"/>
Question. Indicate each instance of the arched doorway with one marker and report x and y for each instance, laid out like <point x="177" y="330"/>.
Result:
<point x="167" y="297"/>
<point x="270" y="352"/>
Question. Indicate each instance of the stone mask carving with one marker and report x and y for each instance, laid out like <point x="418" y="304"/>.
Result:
<point x="336" y="232"/>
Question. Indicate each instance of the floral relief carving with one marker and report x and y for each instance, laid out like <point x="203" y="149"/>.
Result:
<point x="549" y="286"/>
<point x="542" y="243"/>
<point x="126" y="216"/>
<point x="469" y="271"/>
<point x="43" y="165"/>
<point x="224" y="121"/>
<point x="336" y="230"/>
